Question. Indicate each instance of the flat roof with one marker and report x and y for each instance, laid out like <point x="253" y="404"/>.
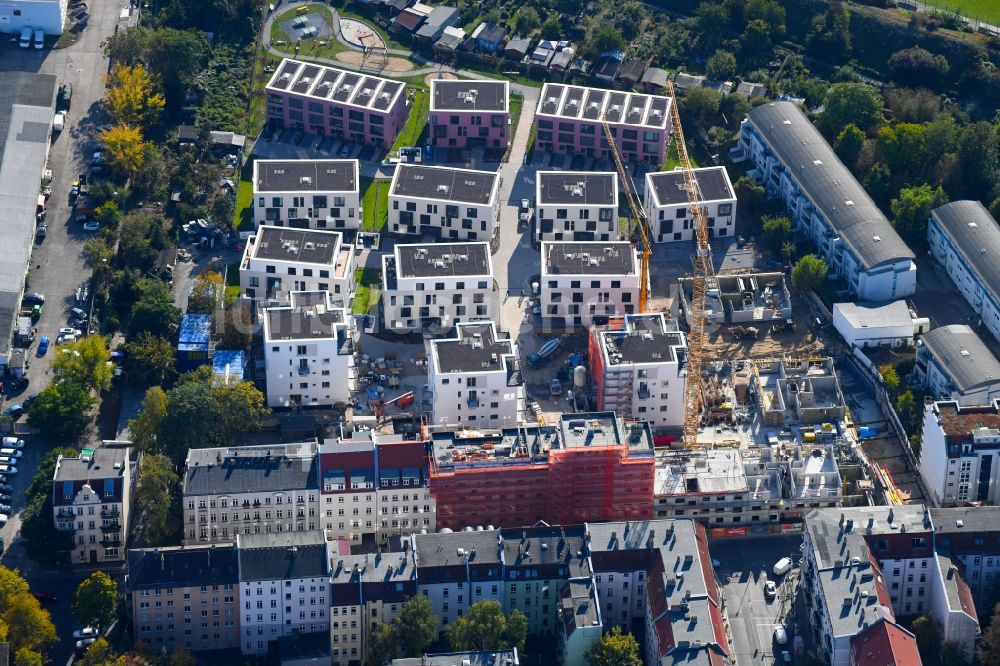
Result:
<point x="466" y="95"/>
<point x="706" y="471"/>
<point x="301" y="246"/>
<point x="834" y="191"/>
<point x="976" y="236"/>
<point x="645" y="339"/>
<point x="588" y="258"/>
<point x="305" y="176"/>
<point x="959" y="421"/>
<point x="577" y="188"/>
<point x="601" y="429"/>
<point x="445" y="260"/>
<point x="881" y="314"/>
<point x="444" y="183"/>
<point x="330" y="84"/>
<point x="311" y="316"/>
<point x="669" y="187"/>
<point x="489" y="658"/>
<point x="619" y="108"/>
<point x="103" y="462"/>
<point x="962" y="354"/>
<point x="475" y="349"/>
<point x="250" y="469"/>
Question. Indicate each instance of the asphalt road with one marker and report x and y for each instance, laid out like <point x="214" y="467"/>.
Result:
<point x="57" y="266"/>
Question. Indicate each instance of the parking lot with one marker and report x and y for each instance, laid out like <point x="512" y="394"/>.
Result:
<point x="744" y="566"/>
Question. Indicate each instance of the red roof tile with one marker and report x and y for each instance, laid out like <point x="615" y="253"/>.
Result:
<point x="885" y="644"/>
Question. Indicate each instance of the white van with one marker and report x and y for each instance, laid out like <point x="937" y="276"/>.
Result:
<point x="11" y="453"/>
<point x="39" y="39"/>
<point x="782" y="566"/>
<point x="25" y="38"/>
<point x="7" y="469"/>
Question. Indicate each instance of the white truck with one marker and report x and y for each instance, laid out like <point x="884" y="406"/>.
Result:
<point x="58" y="122"/>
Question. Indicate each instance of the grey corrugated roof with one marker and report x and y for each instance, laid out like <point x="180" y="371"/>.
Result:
<point x="977" y="236"/>
<point x="810" y="161"/>
<point x="250" y="469"/>
<point x="182" y="567"/>
<point x="964" y="356"/>
<point x="283" y="555"/>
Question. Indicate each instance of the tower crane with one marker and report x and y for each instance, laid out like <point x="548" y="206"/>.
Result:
<point x="638" y="217"/>
<point x="703" y="271"/>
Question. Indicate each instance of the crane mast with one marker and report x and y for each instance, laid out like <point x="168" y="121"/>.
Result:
<point x="703" y="270"/>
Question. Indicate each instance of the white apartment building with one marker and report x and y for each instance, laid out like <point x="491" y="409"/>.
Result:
<point x="46" y="15"/>
<point x="576" y="206"/>
<point x="965" y="239"/>
<point x="306" y="194"/>
<point x="249" y="490"/>
<point x="278" y="261"/>
<point x="438" y="286"/>
<point x="587" y="282"/>
<point x="640" y="371"/>
<point x="960" y="455"/>
<point x="668" y="208"/>
<point x="954" y="363"/>
<point x="475" y="378"/>
<point x="309" y="352"/>
<point x="284" y="586"/>
<point x="445" y="203"/>
<point x="91" y="500"/>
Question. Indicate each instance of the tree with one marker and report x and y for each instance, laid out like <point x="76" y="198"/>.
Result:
<point x="978" y="150"/>
<point x="605" y="38"/>
<point x="995" y="209"/>
<point x="615" y="649"/>
<point x="720" y="66"/>
<point x="527" y="21"/>
<point x="99" y="654"/>
<point x="701" y="102"/>
<point x="157" y="480"/>
<point x="917" y="66"/>
<point x="27" y="657"/>
<point x="43" y="542"/>
<point x="755" y="42"/>
<point x="989" y="644"/>
<point x="809" y="272"/>
<point x="132" y="98"/>
<point x="146" y="425"/>
<point x="485" y="627"/>
<point x="908" y="411"/>
<point x="176" y="57"/>
<point x="27" y="625"/>
<point x="952" y="654"/>
<point x="85" y="362"/>
<point x="903" y="148"/>
<point x="890" y="377"/>
<point x="108" y="214"/>
<point x="777" y="231"/>
<point x="850" y="103"/>
<point x="125" y="148"/>
<point x="711" y="19"/>
<point x="417" y="626"/>
<point x="751" y="195"/>
<point x="929" y="638"/>
<point x="181" y="657"/>
<point x="849" y="143"/>
<point x="787" y="251"/>
<point x="206" y="294"/>
<point x="768" y="12"/>
<point x="95" y="600"/>
<point x="383" y="644"/>
<point x="516" y="631"/>
<point x="98" y="253"/>
<point x="149" y="360"/>
<point x="155" y="311"/>
<point x="61" y="411"/>
<point x="143" y="234"/>
<point x="911" y="210"/>
<point x="831" y="33"/>
<point x="552" y="28"/>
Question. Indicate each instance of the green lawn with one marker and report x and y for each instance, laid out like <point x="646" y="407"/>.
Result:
<point x="244" y="199"/>
<point x="233" y="282"/>
<point x="368" y="290"/>
<point x="516" y="105"/>
<point x="523" y="79"/>
<point x="375" y="203"/>
<point x="673" y="160"/>
<point x="984" y="10"/>
<point x="416" y="122"/>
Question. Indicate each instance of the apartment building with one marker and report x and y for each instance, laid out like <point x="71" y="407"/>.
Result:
<point x="284" y="582"/>
<point x="249" y="490"/>
<point x="960" y="453"/>
<point x="92" y="501"/>
<point x="826" y="203"/>
<point x="585" y="283"/>
<point x="309" y="351"/>
<point x="569" y="121"/>
<point x="333" y="102"/>
<point x="278" y="261"/>
<point x="862" y="565"/>
<point x="668" y="207"/>
<point x="470" y="114"/>
<point x="884" y="643"/>
<point x="965" y="240"/>
<point x="185" y="597"/>
<point x="638" y="368"/>
<point x="445" y="203"/>
<point x="489" y="658"/>
<point x="475" y="378"/>
<point x="797" y="391"/>
<point x="307" y="194"/>
<point x="590" y="466"/>
<point x="435" y="286"/>
<point x="576" y="206"/>
<point x="954" y="363"/>
<point x="971" y="537"/>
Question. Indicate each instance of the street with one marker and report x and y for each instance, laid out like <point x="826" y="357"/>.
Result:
<point x="58" y="269"/>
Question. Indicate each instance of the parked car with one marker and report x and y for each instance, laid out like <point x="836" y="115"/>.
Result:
<point x="6" y="499"/>
<point x="64" y="339"/>
<point x="92" y="226"/>
<point x="86" y="632"/>
<point x="346" y="149"/>
<point x="16" y="385"/>
<point x="78" y="314"/>
<point x="83" y="645"/>
<point x="3" y="520"/>
<point x="33" y="297"/>
<point x="43" y="346"/>
<point x="6" y="489"/>
<point x="25" y="42"/>
<point x="70" y="331"/>
<point x="5" y="508"/>
<point x="782" y="566"/>
<point x="14" y="411"/>
<point x="780" y="635"/>
<point x="39" y="40"/>
<point x="770" y="589"/>
<point x="42" y="232"/>
<point x="12" y="443"/>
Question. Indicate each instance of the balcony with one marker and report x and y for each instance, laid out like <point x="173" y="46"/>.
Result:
<point x="111" y="527"/>
<point x="303" y="371"/>
<point x="110" y="513"/>
<point x="473" y="402"/>
<point x="113" y="541"/>
<point x="643" y="394"/>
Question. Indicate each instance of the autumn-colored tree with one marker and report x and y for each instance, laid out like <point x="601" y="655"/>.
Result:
<point x="157" y="480"/>
<point x="95" y="600"/>
<point x="206" y="294"/>
<point x="86" y="363"/>
<point x="132" y="97"/>
<point x="146" y="425"/>
<point x="615" y="649"/>
<point x="125" y="148"/>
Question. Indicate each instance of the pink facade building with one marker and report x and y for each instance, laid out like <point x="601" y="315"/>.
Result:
<point x="470" y="114"/>
<point x="333" y="102"/>
<point x="569" y="122"/>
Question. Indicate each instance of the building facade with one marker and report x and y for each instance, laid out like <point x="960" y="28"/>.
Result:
<point x="448" y="204"/>
<point x="668" y="206"/>
<point x="826" y="203"/>
<point x="470" y="114"/>
<point x="307" y="194"/>
<point x="960" y="454"/>
<point x="475" y="378"/>
<point x="92" y="501"/>
<point x="278" y="261"/>
<point x="954" y="363"/>
<point x="585" y="283"/>
<point x="47" y="15"/>
<point x="569" y="121"/>
<point x="249" y="490"/>
<point x="576" y="206"/>
<point x="309" y="352"/>
<point x="435" y="286"/>
<point x="334" y="102"/>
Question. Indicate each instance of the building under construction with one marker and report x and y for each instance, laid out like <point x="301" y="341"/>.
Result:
<point x="744" y="298"/>
<point x="587" y="467"/>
